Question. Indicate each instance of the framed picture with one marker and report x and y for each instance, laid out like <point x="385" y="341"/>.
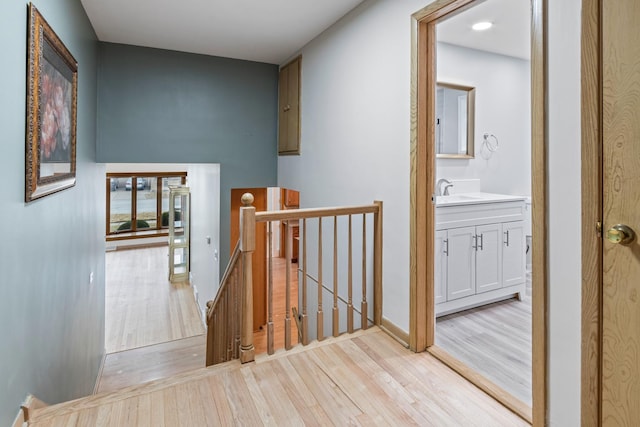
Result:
<point x="52" y="83"/>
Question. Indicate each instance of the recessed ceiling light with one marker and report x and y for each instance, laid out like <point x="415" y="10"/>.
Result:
<point x="481" y="26"/>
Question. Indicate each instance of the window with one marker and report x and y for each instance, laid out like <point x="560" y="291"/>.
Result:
<point x="138" y="203"/>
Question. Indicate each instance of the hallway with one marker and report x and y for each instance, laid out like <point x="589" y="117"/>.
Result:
<point x="152" y="327"/>
<point x="142" y="307"/>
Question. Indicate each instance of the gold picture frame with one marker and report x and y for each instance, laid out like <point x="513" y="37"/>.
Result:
<point x="52" y="85"/>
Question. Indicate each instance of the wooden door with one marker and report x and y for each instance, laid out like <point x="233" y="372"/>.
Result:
<point x="461" y="264"/>
<point x="289" y="108"/>
<point x="488" y="257"/>
<point x="260" y="253"/>
<point x="621" y="205"/>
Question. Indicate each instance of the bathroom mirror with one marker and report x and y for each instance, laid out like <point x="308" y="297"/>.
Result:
<point x="455" y="112"/>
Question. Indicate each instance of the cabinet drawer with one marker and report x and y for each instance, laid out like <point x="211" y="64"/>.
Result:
<point x="478" y="214"/>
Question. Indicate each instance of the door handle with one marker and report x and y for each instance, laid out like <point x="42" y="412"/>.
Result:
<point x="621" y="234"/>
<point x="506" y="235"/>
<point x="446" y="243"/>
<point x="481" y="244"/>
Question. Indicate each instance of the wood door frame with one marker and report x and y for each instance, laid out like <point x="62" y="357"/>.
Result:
<point x="422" y="211"/>
<point x="592" y="213"/>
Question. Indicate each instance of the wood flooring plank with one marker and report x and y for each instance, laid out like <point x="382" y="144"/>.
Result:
<point x="308" y="407"/>
<point x="170" y="407"/>
<point x="240" y="400"/>
<point x="359" y="386"/>
<point x="263" y="381"/>
<point x="196" y="409"/>
<point x="392" y="389"/>
<point x="337" y="406"/>
<point x="157" y="408"/>
<point x="183" y="397"/>
<point x="206" y="401"/>
<point x="144" y="410"/>
<point x="103" y="415"/>
<point x="402" y="371"/>
<point x="220" y="402"/>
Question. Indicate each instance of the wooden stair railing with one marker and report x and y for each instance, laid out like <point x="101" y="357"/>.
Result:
<point x="230" y="316"/>
<point x="224" y="315"/>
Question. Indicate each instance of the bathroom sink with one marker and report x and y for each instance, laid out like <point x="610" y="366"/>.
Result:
<point x="474" y="198"/>
<point x="455" y="198"/>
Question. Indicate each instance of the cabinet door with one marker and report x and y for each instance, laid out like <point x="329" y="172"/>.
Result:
<point x="488" y="257"/>
<point x="289" y="108"/>
<point x="440" y="274"/>
<point x="513" y="253"/>
<point x="461" y="263"/>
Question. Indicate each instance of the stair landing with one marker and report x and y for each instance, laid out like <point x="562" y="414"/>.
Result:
<point x="361" y="379"/>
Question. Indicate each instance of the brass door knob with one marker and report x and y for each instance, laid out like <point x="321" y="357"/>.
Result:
<point x="621" y="234"/>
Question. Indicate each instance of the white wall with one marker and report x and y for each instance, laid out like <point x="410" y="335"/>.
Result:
<point x="503" y="108"/>
<point x="355" y="129"/>
<point x="355" y="148"/>
<point x="204" y="181"/>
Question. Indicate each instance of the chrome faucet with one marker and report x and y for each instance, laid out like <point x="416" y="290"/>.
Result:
<point x="446" y="187"/>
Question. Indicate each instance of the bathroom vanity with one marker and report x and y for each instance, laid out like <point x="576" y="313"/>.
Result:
<point x="479" y="250"/>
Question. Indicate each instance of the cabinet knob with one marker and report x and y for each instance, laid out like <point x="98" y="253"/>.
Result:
<point x="286" y="108"/>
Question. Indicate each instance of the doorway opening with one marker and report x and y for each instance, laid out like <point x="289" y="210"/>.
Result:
<point x="429" y="131"/>
<point x="154" y="327"/>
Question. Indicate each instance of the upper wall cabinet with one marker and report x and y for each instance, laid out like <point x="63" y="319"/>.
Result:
<point x="289" y="108"/>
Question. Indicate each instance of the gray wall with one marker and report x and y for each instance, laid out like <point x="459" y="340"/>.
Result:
<point x="51" y="317"/>
<point x="158" y="106"/>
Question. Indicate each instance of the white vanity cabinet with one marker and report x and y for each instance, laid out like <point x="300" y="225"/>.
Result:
<point x="479" y="254"/>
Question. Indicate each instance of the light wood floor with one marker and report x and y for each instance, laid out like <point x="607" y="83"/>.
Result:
<point x="494" y="340"/>
<point x="279" y="307"/>
<point x="142" y="307"/>
<point x="362" y="379"/>
<point x="152" y="362"/>
<point x="155" y="347"/>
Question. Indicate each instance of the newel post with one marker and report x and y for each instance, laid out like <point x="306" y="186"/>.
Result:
<point x="247" y="246"/>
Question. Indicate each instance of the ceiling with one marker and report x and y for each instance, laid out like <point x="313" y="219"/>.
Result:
<point x="510" y="34"/>
<point x="273" y="30"/>
<point x="256" y="30"/>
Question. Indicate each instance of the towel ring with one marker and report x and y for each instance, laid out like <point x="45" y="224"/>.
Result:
<point x="490" y="141"/>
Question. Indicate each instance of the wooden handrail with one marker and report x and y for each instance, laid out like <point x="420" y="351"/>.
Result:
<point x="228" y="271"/>
<point x="230" y="315"/>
<point x="292" y="214"/>
<point x="223" y="315"/>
